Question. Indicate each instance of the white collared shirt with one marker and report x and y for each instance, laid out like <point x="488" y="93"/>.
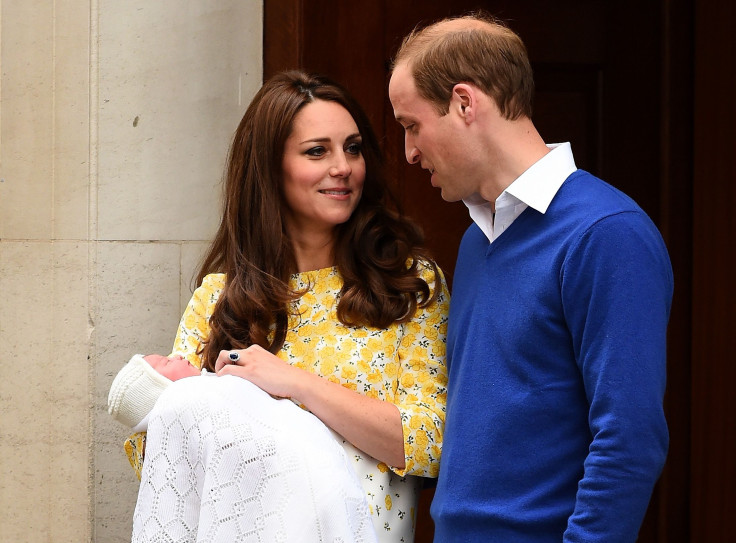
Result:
<point x="535" y="188"/>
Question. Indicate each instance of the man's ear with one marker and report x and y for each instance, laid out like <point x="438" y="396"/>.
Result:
<point x="464" y="101"/>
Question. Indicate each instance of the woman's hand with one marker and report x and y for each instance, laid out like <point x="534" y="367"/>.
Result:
<point x="265" y="370"/>
<point x="372" y="425"/>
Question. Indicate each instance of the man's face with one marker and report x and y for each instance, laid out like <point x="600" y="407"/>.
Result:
<point x="430" y="139"/>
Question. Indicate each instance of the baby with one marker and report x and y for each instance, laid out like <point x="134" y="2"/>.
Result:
<point x="298" y="477"/>
<point x="139" y="384"/>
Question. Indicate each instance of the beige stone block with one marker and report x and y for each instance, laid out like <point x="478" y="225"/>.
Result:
<point x="44" y="395"/>
<point x="69" y="397"/>
<point x="25" y="280"/>
<point x="192" y="254"/>
<point x="137" y="311"/>
<point x="26" y="110"/>
<point x="71" y="120"/>
<point x="138" y="297"/>
<point x="44" y="134"/>
<point x="69" y="515"/>
<point x="116" y="492"/>
<point x="169" y="105"/>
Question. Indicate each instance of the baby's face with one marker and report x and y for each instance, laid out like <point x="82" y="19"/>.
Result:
<point x="172" y="367"/>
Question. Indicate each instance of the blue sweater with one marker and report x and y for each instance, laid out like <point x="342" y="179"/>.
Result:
<point x="556" y="356"/>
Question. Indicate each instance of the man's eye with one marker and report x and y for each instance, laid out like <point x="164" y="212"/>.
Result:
<point x="315" y="151"/>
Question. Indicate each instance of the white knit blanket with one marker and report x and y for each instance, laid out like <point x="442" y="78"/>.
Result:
<point x="226" y="462"/>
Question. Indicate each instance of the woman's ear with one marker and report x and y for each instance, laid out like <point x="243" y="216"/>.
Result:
<point x="464" y="101"/>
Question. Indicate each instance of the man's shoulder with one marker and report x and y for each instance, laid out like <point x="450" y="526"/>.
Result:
<point x="586" y="196"/>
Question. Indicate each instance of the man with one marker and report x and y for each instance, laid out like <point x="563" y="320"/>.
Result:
<point x="561" y="296"/>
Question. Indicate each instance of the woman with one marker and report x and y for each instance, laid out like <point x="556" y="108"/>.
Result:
<point x="317" y="290"/>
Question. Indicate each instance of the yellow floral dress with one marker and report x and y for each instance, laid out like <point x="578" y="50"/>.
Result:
<point x="403" y="364"/>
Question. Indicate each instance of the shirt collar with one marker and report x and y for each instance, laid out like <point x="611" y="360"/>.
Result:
<point x="537" y="186"/>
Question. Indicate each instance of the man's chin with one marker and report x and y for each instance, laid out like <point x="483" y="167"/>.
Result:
<point x="447" y="197"/>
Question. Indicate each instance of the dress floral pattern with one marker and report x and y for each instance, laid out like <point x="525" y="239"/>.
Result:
<point x="403" y="364"/>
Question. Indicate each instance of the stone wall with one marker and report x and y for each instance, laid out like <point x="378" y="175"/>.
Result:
<point x="115" y="119"/>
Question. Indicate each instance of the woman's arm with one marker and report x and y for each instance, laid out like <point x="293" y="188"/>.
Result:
<point x="194" y="327"/>
<point x="404" y="432"/>
<point x="421" y="394"/>
<point x="372" y="425"/>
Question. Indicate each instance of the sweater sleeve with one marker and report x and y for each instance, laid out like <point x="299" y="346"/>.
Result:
<point x="617" y="289"/>
<point x="193" y="330"/>
<point x="421" y="393"/>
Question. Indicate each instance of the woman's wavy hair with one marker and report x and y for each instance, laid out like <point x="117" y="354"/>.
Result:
<point x="377" y="251"/>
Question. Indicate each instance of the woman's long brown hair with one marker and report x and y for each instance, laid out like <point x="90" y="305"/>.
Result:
<point x="252" y="248"/>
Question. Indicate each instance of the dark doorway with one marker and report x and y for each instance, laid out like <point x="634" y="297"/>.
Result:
<point x="618" y="80"/>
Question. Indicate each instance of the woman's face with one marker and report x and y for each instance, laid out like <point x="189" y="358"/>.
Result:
<point x="323" y="168"/>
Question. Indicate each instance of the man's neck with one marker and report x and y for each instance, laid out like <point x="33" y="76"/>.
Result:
<point x="513" y="148"/>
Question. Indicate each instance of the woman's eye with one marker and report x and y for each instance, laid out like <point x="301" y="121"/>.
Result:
<point x="315" y="151"/>
<point x="354" y="148"/>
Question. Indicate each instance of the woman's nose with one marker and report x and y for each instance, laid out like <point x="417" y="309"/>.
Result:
<point x="341" y="166"/>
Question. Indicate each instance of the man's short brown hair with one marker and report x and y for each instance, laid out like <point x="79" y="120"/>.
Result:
<point x="477" y="49"/>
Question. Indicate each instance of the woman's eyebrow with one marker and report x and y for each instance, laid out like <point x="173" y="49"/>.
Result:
<point x="327" y="139"/>
<point x="315" y="140"/>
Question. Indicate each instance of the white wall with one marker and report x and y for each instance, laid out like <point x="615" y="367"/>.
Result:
<point x="115" y="118"/>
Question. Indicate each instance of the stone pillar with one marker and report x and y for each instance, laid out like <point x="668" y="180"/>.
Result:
<point x="115" y="119"/>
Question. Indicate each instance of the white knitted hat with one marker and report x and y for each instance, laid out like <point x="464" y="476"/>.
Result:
<point x="134" y="391"/>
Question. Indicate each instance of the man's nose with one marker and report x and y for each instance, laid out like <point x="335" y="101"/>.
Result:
<point x="412" y="153"/>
